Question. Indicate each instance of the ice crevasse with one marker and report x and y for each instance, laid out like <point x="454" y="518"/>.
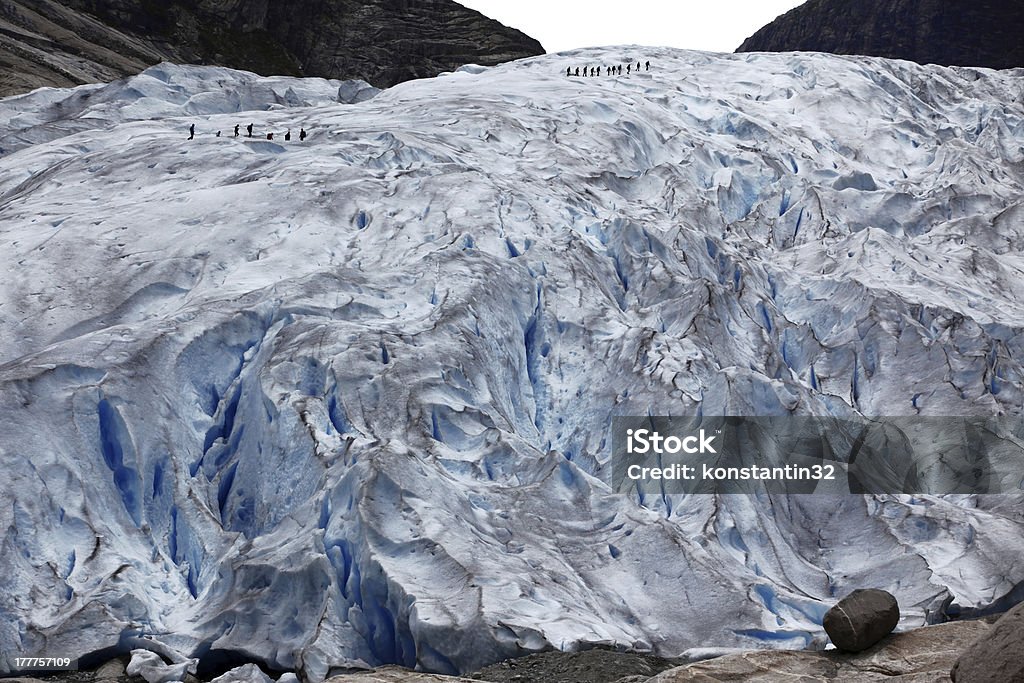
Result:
<point x="347" y="401"/>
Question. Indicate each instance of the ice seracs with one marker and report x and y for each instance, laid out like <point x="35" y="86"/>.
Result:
<point x="346" y="401"/>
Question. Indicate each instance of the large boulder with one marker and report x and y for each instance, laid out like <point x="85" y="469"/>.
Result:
<point x="996" y="657"/>
<point x="861" y="619"/>
<point x="922" y="655"/>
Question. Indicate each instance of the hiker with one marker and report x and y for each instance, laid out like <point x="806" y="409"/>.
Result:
<point x="598" y="71"/>
<point x="218" y="133"/>
<point x="638" y="66"/>
<point x="236" y="130"/>
<point x="620" y="69"/>
<point x="270" y="136"/>
<point x="249" y="129"/>
<point x="192" y="131"/>
<point x="577" y="71"/>
<point x="628" y="67"/>
<point x="302" y="134"/>
<point x="288" y="135"/>
<point x="568" y="71"/>
<point x="648" y="64"/>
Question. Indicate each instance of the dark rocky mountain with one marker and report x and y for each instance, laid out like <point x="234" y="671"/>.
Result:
<point x="70" y="42"/>
<point x="986" y="33"/>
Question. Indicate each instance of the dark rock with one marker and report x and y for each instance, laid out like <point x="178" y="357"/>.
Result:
<point x="996" y="657"/>
<point x="69" y="42"/>
<point x="947" y="32"/>
<point x="861" y="619"/>
<point x="114" y="669"/>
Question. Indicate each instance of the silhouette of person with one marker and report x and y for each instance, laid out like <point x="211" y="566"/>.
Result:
<point x="218" y="133"/>
<point x="249" y="129"/>
<point x="288" y="135"/>
<point x="620" y="69"/>
<point x="638" y="66"/>
<point x="191" y="131"/>
<point x="577" y="71"/>
<point x="568" y="71"/>
<point x="236" y="130"/>
<point x="270" y="136"/>
<point x="598" y="71"/>
<point x="302" y="134"/>
<point x="628" y="67"/>
<point x="648" y="64"/>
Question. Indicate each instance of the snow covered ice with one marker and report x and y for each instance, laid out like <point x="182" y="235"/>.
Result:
<point x="347" y="401"/>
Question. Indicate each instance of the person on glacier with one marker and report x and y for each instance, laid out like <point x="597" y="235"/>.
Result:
<point x="236" y="130"/>
<point x="249" y="129"/>
<point x="568" y="71"/>
<point x="192" y="132"/>
<point x="629" y="67"/>
<point x="648" y="65"/>
<point x="288" y="135"/>
<point x="302" y="134"/>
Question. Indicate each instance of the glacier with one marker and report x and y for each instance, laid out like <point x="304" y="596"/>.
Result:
<point x="346" y="402"/>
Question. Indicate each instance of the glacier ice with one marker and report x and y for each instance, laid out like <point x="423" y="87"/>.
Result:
<point x="161" y="92"/>
<point x="346" y="402"/>
<point x="149" y="665"/>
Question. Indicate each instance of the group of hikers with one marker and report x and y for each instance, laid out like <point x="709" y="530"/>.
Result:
<point x="248" y="129"/>
<point x="615" y="70"/>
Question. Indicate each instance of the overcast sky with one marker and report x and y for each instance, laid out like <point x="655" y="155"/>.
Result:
<point x="715" y="25"/>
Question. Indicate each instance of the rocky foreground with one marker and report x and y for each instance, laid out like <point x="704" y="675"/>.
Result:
<point x="964" y="652"/>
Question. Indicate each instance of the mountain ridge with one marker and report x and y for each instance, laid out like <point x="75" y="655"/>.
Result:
<point x="944" y="32"/>
<point x="64" y="43"/>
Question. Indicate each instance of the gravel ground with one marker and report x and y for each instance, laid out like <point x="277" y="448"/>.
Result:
<point x="590" y="666"/>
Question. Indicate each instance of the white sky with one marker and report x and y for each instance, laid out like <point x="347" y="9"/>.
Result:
<point x="714" y="25"/>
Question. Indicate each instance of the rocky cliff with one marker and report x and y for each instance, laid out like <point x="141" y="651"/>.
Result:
<point x="948" y="32"/>
<point x="70" y="42"/>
